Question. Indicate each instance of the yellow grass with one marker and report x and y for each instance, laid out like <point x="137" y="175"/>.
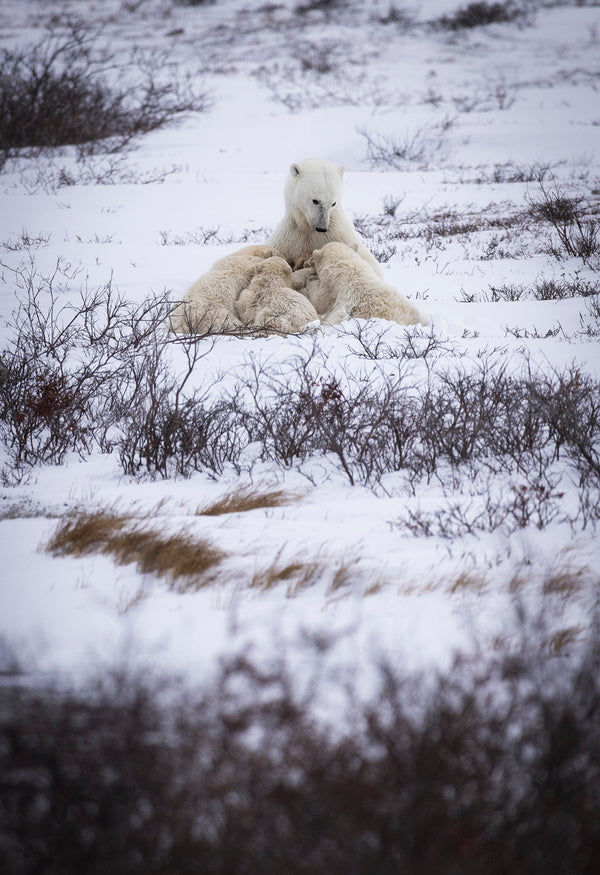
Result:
<point x="187" y="562"/>
<point x="245" y="498"/>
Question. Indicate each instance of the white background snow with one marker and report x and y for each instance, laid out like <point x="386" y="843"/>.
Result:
<point x="532" y="94"/>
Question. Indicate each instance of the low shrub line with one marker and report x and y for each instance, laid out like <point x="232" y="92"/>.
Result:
<point x="103" y="374"/>
<point x="492" y="766"/>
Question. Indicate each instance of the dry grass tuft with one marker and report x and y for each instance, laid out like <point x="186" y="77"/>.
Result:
<point x="565" y="581"/>
<point x="186" y="561"/>
<point x="344" y="575"/>
<point x="245" y="498"/>
<point x="83" y="533"/>
<point x="560" y="641"/>
<point x="469" y="580"/>
<point x="298" y="573"/>
<point x="374" y="588"/>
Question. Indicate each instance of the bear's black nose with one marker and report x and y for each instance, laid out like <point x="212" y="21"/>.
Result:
<point x="322" y="230"/>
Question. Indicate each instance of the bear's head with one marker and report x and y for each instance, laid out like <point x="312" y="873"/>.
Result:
<point x="331" y="253"/>
<point x="313" y="191"/>
<point x="277" y="267"/>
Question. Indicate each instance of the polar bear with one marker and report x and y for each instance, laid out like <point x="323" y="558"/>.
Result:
<point x="314" y="214"/>
<point x="348" y="288"/>
<point x="208" y="305"/>
<point x="270" y="303"/>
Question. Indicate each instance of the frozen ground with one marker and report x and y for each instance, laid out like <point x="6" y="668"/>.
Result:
<point x="482" y="114"/>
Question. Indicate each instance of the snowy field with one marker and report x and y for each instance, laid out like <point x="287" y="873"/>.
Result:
<point x="458" y="143"/>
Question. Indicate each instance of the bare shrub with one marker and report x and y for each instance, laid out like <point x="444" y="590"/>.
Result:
<point x="328" y="8"/>
<point x="435" y="230"/>
<point x="574" y="221"/>
<point x="490" y="766"/>
<point x="195" y="2"/>
<point x="62" y="91"/>
<point x="167" y="431"/>
<point x="416" y="343"/>
<point x="500" y="94"/>
<point x="99" y="373"/>
<point x="512" y="172"/>
<point x="481" y="14"/>
<point x="202" y="236"/>
<point x="538" y="504"/>
<point x="590" y="323"/>
<point x="25" y="240"/>
<point x="541" y="290"/>
<point x="65" y="363"/>
<point x="404" y="18"/>
<point x="418" y="147"/>
<point x="50" y="174"/>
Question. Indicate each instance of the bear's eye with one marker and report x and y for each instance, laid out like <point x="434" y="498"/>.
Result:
<point x="315" y="201"/>
<point x="333" y="204"/>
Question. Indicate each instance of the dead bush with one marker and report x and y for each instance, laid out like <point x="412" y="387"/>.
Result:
<point x="481" y="14"/>
<point x="97" y="373"/>
<point x="64" y="366"/>
<point x="574" y="221"/>
<point x="62" y="91"/>
<point x="490" y="767"/>
<point x="418" y="147"/>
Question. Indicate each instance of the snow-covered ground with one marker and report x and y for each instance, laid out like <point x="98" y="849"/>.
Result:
<point x="484" y="111"/>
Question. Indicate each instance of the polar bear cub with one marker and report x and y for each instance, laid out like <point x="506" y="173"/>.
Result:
<point x="349" y="288"/>
<point x="208" y="305"/>
<point x="269" y="302"/>
<point x="314" y="214"/>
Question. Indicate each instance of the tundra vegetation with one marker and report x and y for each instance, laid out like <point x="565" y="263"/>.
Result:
<point x="471" y="441"/>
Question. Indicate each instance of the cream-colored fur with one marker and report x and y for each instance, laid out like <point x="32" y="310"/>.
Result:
<point x="301" y="278"/>
<point x="208" y="305"/>
<point x="314" y="214"/>
<point x="270" y="303"/>
<point x="349" y="288"/>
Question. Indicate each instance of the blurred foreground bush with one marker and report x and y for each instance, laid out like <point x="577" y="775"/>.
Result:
<point x="493" y="767"/>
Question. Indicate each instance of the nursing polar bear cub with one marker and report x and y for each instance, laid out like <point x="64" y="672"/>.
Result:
<point x="269" y="302"/>
<point x="314" y="214"/>
<point x="348" y="288"/>
<point x="208" y="305"/>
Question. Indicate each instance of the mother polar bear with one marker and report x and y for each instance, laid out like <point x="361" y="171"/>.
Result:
<point x="314" y="214"/>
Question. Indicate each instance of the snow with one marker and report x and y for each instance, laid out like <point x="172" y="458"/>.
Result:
<point x="229" y="168"/>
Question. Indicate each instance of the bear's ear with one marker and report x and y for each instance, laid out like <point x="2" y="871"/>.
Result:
<point x="294" y="170"/>
<point x="341" y="171"/>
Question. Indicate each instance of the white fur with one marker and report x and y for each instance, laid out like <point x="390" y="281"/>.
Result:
<point x="314" y="214"/>
<point x="270" y="303"/>
<point x="208" y="305"/>
<point x="349" y="288"/>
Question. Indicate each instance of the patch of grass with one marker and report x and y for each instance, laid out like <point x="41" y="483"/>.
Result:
<point x="245" y="498"/>
<point x="298" y="573"/>
<point x="186" y="561"/>
<point x="344" y="575"/>
<point x="560" y="642"/>
<point x="565" y="580"/>
<point x="468" y="581"/>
